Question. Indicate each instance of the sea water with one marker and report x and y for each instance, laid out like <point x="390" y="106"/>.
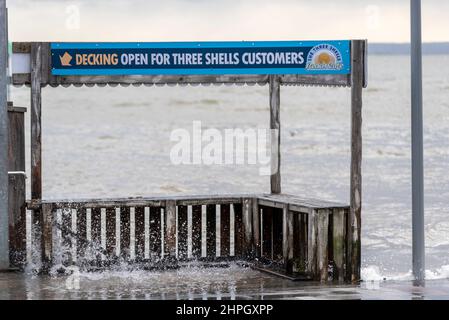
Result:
<point x="115" y="142"/>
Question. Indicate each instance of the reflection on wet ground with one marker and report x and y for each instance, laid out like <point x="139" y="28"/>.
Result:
<point x="232" y="283"/>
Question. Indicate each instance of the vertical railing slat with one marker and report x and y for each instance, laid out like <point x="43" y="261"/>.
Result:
<point x="257" y="249"/>
<point x="47" y="235"/>
<point x="247" y="218"/>
<point x="225" y="230"/>
<point x="125" y="232"/>
<point x="66" y="229"/>
<point x="312" y="243"/>
<point x="322" y="254"/>
<point x="95" y="233"/>
<point x="287" y="240"/>
<point x="267" y="235"/>
<point x="211" y="218"/>
<point x="139" y="233"/>
<point x="339" y="252"/>
<point x="81" y="235"/>
<point x="276" y="235"/>
<point x="111" y="241"/>
<point x="239" y="234"/>
<point x="182" y="232"/>
<point x="196" y="231"/>
<point x="170" y="229"/>
<point x="155" y="233"/>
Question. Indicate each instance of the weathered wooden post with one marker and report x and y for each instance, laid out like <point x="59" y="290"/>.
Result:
<point x="247" y="217"/>
<point x="36" y="141"/>
<point x="4" y="216"/>
<point x="16" y="192"/>
<point x="170" y="230"/>
<point x="355" y="213"/>
<point x="275" y="126"/>
<point x="287" y="240"/>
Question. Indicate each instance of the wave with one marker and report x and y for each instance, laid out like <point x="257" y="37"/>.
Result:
<point x="374" y="274"/>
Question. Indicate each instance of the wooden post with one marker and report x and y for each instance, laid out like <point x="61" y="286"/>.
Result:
<point x="47" y="235"/>
<point x="16" y="193"/>
<point x="170" y="229"/>
<point x="36" y="121"/>
<point x="323" y="244"/>
<point x="312" y="234"/>
<point x="247" y="226"/>
<point x="287" y="241"/>
<point x="256" y="228"/>
<point x="275" y="126"/>
<point x="357" y="82"/>
<point x="338" y="233"/>
<point x="4" y="217"/>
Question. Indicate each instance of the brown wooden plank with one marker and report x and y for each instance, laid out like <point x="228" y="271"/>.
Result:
<point x="300" y="243"/>
<point x="182" y="233"/>
<point x="81" y="234"/>
<point x="125" y="232"/>
<point x="357" y="82"/>
<point x="17" y="220"/>
<point x="111" y="239"/>
<point x="275" y="126"/>
<point x="225" y="230"/>
<point x="16" y="186"/>
<point x="139" y="232"/>
<point x="155" y="232"/>
<point x="211" y="225"/>
<point x="21" y="47"/>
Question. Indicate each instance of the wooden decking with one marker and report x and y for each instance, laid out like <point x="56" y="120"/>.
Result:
<point x="301" y="238"/>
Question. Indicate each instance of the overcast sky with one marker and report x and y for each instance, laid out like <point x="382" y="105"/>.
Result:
<point x="195" y="20"/>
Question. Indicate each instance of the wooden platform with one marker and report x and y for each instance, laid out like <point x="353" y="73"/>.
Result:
<point x="300" y="238"/>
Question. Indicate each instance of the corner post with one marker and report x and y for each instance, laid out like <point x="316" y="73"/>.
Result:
<point x="36" y="121"/>
<point x="275" y="126"/>
<point x="4" y="215"/>
<point x="357" y="83"/>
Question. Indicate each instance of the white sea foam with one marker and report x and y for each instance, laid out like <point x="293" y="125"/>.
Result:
<point x="374" y="274"/>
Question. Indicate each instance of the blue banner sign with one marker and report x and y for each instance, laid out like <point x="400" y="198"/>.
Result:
<point x="196" y="58"/>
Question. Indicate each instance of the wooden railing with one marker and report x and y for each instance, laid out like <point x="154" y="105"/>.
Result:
<point x="283" y="234"/>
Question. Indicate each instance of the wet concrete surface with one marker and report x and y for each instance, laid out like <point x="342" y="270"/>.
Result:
<point x="197" y="283"/>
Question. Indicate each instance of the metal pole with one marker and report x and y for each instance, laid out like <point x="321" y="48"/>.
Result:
<point x="417" y="144"/>
<point x="4" y="218"/>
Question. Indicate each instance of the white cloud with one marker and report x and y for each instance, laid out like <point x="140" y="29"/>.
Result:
<point x="183" y="20"/>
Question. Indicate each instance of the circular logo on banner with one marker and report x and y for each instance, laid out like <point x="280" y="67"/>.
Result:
<point x="324" y="57"/>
